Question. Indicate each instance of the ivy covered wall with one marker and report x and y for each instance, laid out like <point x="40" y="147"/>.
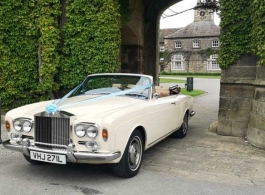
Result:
<point x="91" y="40"/>
<point x="19" y="40"/>
<point x="242" y="30"/>
<point x="235" y="31"/>
<point x="258" y="29"/>
<point x="49" y="45"/>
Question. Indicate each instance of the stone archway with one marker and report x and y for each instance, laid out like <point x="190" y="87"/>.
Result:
<point x="153" y="12"/>
<point x="244" y="77"/>
<point x="131" y="51"/>
<point x="143" y="28"/>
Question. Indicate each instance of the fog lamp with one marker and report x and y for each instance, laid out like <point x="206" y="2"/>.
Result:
<point x="16" y="137"/>
<point x="92" y="145"/>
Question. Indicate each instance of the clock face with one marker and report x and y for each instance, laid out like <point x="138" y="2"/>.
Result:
<point x="202" y="14"/>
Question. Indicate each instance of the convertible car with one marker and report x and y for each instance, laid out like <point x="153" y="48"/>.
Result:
<point x="108" y="118"/>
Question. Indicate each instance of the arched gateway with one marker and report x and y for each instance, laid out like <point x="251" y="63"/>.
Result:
<point x="140" y="36"/>
<point x="242" y="96"/>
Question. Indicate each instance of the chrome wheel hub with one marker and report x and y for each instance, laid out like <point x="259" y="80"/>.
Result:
<point x="135" y="153"/>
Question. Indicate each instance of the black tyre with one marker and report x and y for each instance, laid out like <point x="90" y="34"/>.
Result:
<point x="131" y="160"/>
<point x="33" y="162"/>
<point x="182" y="132"/>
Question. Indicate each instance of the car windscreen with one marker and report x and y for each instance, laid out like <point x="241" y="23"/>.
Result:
<point x="136" y="86"/>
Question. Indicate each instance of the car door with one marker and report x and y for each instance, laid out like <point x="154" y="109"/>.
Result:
<point x="167" y="116"/>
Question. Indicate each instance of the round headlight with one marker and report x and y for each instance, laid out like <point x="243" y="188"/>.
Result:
<point x="92" y="131"/>
<point x="80" y="131"/>
<point x="17" y="125"/>
<point x="27" y="125"/>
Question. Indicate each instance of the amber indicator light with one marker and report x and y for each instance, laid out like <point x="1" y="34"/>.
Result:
<point x="7" y="126"/>
<point x="105" y="134"/>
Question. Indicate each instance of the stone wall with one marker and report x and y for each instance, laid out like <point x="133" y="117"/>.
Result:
<point x="236" y="95"/>
<point x="234" y="109"/>
<point x="256" y="127"/>
<point x="197" y="63"/>
<point x="242" y="101"/>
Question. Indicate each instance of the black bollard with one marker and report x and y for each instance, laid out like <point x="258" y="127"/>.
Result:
<point x="189" y="84"/>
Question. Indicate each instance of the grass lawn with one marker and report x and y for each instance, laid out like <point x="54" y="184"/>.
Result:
<point x="194" y="76"/>
<point x="164" y="80"/>
<point x="194" y="93"/>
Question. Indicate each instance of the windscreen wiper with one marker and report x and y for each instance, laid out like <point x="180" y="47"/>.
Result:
<point x="101" y="93"/>
<point x="136" y="95"/>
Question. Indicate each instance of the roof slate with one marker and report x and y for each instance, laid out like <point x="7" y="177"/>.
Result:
<point x="196" y="29"/>
<point x="165" y="32"/>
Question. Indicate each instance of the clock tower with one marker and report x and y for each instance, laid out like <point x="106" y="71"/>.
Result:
<point x="203" y="14"/>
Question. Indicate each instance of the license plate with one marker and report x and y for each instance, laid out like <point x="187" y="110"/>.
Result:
<point x="46" y="157"/>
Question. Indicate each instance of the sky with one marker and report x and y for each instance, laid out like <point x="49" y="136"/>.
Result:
<point x="183" y="19"/>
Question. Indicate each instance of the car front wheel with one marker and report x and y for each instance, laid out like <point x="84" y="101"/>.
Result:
<point x="131" y="160"/>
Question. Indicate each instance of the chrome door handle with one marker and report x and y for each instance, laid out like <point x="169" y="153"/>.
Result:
<point x="173" y="103"/>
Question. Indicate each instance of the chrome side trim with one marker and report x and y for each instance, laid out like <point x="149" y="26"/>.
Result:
<point x="72" y="155"/>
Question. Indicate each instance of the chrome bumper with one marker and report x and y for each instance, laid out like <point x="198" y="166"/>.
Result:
<point x="72" y="155"/>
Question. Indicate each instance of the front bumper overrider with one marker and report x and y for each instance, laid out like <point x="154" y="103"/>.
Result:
<point x="72" y="155"/>
<point x="192" y="113"/>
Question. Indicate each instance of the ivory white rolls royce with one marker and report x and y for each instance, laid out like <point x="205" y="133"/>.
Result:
<point x="108" y="118"/>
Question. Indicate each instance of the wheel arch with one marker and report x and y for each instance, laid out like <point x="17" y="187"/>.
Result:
<point x="124" y="132"/>
<point x="187" y="112"/>
<point x="143" y="133"/>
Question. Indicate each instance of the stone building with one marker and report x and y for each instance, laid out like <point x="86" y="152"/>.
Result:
<point x="193" y="48"/>
<point x="162" y="53"/>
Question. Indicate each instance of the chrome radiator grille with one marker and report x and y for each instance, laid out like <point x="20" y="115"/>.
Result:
<point x="52" y="130"/>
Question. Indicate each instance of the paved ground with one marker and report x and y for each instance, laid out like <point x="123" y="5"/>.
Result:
<point x="202" y="163"/>
<point x="206" y="156"/>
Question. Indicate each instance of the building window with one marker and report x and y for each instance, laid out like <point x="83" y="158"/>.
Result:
<point x="196" y="44"/>
<point x="212" y="63"/>
<point x="162" y="48"/>
<point x="178" y="44"/>
<point x="177" y="62"/>
<point x="215" y="43"/>
<point x="161" y="60"/>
